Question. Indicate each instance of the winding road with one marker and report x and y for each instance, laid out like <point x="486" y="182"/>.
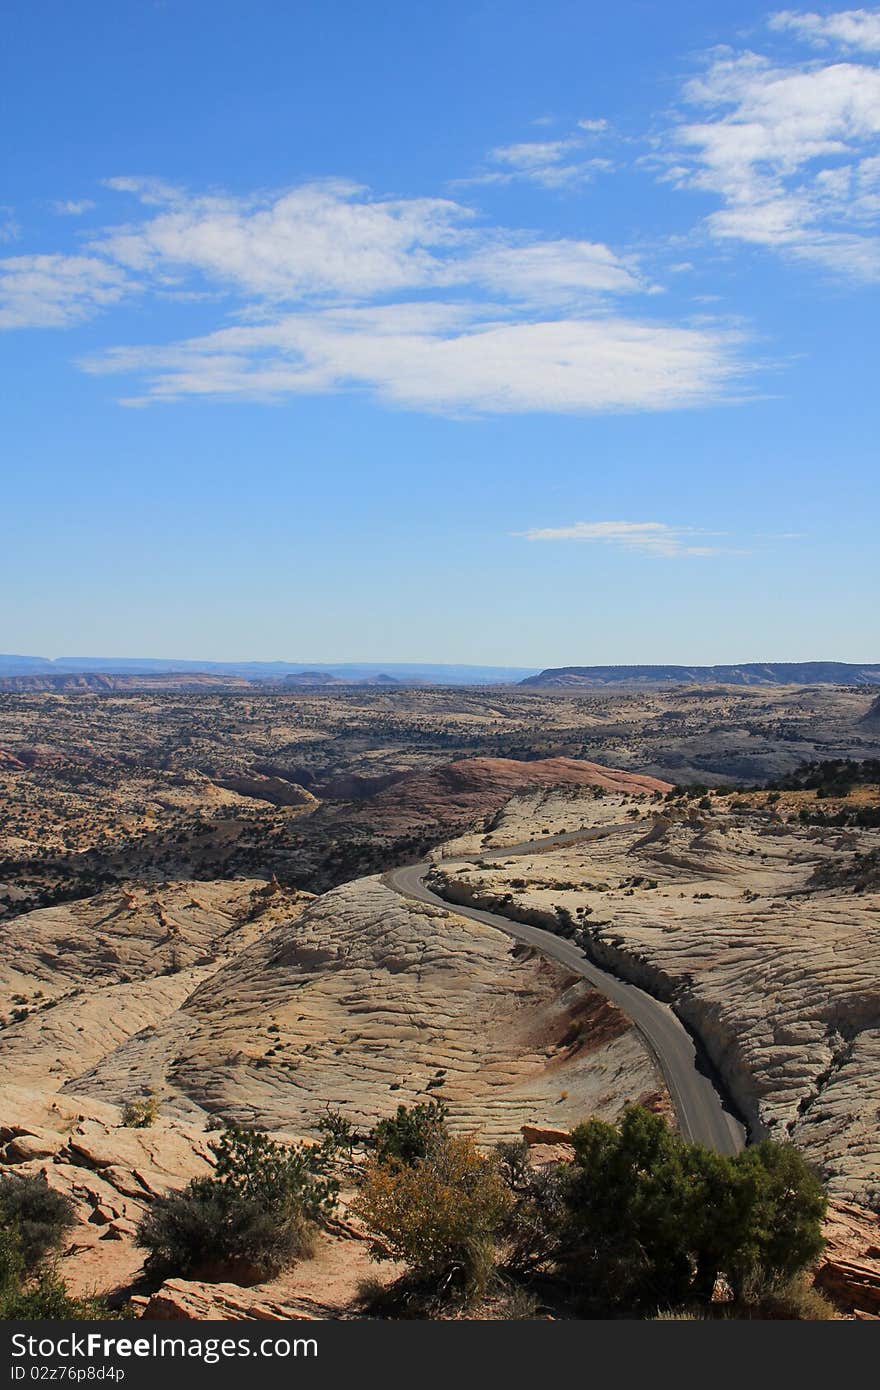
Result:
<point x="702" y="1115"/>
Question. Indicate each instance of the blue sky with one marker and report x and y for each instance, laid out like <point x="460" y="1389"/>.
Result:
<point x="479" y="332"/>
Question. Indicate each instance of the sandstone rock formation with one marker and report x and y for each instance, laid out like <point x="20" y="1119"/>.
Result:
<point x="276" y="790"/>
<point x="725" y="915"/>
<point x="110" y="1172"/>
<point x="849" y="1270"/>
<point x="367" y="1001"/>
<point x="460" y="792"/>
<point x="78" y="979"/>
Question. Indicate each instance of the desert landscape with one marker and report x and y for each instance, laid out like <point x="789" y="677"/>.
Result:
<point x="439" y="686"/>
<point x="202" y="928"/>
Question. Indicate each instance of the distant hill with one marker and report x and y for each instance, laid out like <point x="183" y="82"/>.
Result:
<point x="73" y="683"/>
<point x="751" y="673"/>
<point x="305" y="672"/>
<point x="312" y="678"/>
<point x="327" y="678"/>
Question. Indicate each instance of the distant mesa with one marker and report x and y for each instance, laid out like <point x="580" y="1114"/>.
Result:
<point x="313" y="678"/>
<point x="327" y="678"/>
<point x="102" y="684"/>
<point x="273" y="673"/>
<point x="751" y="673"/>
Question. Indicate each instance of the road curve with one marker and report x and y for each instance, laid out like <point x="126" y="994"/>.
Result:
<point x="700" y="1110"/>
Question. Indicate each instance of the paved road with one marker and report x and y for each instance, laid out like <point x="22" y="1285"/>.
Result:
<point x="699" y="1108"/>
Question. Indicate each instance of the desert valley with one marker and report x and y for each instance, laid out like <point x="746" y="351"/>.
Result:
<point x="202" y="926"/>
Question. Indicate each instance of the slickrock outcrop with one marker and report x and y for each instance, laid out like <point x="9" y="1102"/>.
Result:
<point x="730" y="918"/>
<point x="369" y="1000"/>
<point x="276" y="790"/>
<point x="546" y="811"/>
<point x="109" y="1171"/>
<point x="77" y="980"/>
<point x="325" y="1286"/>
<point x="457" y="793"/>
<point x="189" y="1300"/>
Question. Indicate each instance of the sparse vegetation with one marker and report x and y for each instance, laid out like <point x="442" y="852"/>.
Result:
<point x="37" y="1214"/>
<point x="639" y="1221"/>
<point x="644" y="1217"/>
<point x="257" y="1214"/>
<point x="141" y="1114"/>
<point x="831" y="777"/>
<point x="34" y="1220"/>
<point x="440" y="1214"/>
<point x="410" y="1134"/>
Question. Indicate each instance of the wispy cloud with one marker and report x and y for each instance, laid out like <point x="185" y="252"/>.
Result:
<point x="320" y="239"/>
<point x="656" y="538"/>
<point x="548" y="270"/>
<point x="325" y="287"/>
<point x="54" y="291"/>
<point x="553" y="164"/>
<point x="550" y="164"/>
<point x="72" y="207"/>
<point x="791" y="149"/>
<point x="444" y="358"/>
<point x="859" y="29"/>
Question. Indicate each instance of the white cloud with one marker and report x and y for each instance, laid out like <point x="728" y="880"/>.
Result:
<point x="54" y="291"/>
<point x="848" y="28"/>
<point x="72" y="207"/>
<point x="151" y="192"/>
<point x="327" y="288"/>
<point x="321" y="239"/>
<point x="656" y="538"/>
<point x="530" y="155"/>
<point x="331" y="241"/>
<point x="552" y="164"/>
<point x="553" y="269"/>
<point x="792" y="154"/>
<point x="446" y="358"/>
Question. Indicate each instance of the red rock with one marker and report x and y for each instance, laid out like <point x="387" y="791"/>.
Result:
<point x="455" y="794"/>
<point x="849" y="1270"/>
<point x="544" y="1134"/>
<point x="189" y="1300"/>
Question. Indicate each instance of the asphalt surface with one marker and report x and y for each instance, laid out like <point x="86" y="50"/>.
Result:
<point x="699" y="1107"/>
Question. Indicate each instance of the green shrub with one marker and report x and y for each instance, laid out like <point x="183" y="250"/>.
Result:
<point x="37" y="1214"/>
<point x="339" y="1132"/>
<point x="29" y="1288"/>
<point x="654" y="1221"/>
<point x="253" y="1217"/>
<point x="411" y="1133"/>
<point x="210" y="1231"/>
